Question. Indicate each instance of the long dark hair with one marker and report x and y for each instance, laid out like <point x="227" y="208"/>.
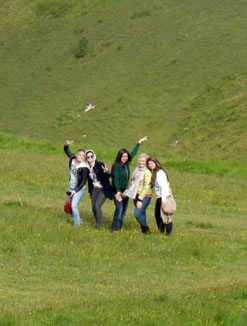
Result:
<point x="119" y="156"/>
<point x="157" y="168"/>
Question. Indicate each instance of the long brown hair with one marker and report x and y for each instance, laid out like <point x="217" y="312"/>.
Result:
<point x="157" y="168"/>
<point x="119" y="156"/>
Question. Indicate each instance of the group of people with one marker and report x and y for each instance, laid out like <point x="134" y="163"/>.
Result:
<point x="149" y="174"/>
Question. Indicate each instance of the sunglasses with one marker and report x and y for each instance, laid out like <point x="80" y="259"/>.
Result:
<point x="90" y="156"/>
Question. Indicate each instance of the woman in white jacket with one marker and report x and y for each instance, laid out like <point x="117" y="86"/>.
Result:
<point x="161" y="185"/>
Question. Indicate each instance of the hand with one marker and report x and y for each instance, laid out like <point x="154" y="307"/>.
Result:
<point x="139" y="204"/>
<point x="105" y="170"/>
<point x="69" y="142"/>
<point x="72" y="193"/>
<point x="163" y="204"/>
<point x="118" y="196"/>
<point x="143" y="139"/>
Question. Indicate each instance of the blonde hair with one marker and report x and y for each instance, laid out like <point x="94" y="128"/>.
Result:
<point x="143" y="155"/>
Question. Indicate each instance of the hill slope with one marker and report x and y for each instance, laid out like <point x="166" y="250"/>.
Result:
<point x="170" y="69"/>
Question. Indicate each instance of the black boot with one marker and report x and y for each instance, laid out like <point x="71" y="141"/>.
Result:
<point x="162" y="227"/>
<point x="145" y="230"/>
<point x="169" y="229"/>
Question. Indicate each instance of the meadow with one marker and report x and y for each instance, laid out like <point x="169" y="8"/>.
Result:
<point x="54" y="274"/>
<point x="172" y="70"/>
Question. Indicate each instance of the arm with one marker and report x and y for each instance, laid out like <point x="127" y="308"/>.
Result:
<point x="164" y="186"/>
<point x="82" y="179"/>
<point x="66" y="148"/>
<point x="104" y="172"/>
<point x="136" y="148"/>
<point x="116" y="182"/>
<point x="146" y="185"/>
<point x="116" y="175"/>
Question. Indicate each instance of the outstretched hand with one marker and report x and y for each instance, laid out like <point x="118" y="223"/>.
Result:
<point x="69" y="142"/>
<point x="143" y="139"/>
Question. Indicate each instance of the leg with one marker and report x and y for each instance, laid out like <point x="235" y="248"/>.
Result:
<point x="125" y="206"/>
<point x="94" y="196"/>
<point x="158" y="218"/>
<point x="169" y="225"/>
<point x="98" y="199"/>
<point x="117" y="215"/>
<point x="140" y="214"/>
<point x="75" y="211"/>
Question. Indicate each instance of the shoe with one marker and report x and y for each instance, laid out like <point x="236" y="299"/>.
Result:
<point x="145" y="230"/>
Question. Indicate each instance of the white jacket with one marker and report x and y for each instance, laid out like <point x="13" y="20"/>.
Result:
<point x="162" y="186"/>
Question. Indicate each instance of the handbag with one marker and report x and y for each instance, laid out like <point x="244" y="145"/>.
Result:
<point x="67" y="206"/>
<point x="170" y="208"/>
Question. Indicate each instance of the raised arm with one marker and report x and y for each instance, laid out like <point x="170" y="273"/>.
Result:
<point x="66" y="148"/>
<point x="136" y="148"/>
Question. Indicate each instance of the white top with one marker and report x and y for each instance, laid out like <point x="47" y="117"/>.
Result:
<point x="73" y="173"/>
<point x="162" y="186"/>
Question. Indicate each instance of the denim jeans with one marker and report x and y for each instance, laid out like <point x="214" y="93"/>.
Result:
<point x="75" y="211"/>
<point x="97" y="199"/>
<point x="120" y="211"/>
<point x="140" y="214"/>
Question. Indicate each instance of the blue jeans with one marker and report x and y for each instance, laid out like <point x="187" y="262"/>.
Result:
<point x="75" y="211"/>
<point x="120" y="211"/>
<point x="140" y="214"/>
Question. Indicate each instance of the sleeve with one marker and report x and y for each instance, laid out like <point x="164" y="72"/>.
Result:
<point x="146" y="185"/>
<point x="67" y="151"/>
<point x="103" y="175"/>
<point x="83" y="179"/>
<point x="116" y="177"/>
<point x="163" y="184"/>
<point x="134" y="151"/>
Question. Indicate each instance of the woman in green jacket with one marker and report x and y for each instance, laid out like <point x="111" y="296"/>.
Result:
<point x="120" y="179"/>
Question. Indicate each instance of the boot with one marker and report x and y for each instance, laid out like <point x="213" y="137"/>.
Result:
<point x="169" y="229"/>
<point x="145" y="230"/>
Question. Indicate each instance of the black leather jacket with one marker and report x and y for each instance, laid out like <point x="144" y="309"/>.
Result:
<point x="82" y="172"/>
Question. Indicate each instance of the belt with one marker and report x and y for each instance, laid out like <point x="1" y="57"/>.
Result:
<point x="98" y="188"/>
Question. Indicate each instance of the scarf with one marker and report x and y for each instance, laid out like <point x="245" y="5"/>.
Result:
<point x="137" y="176"/>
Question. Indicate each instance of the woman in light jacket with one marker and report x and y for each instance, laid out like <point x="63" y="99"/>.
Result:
<point x="161" y="185"/>
<point x="141" y="192"/>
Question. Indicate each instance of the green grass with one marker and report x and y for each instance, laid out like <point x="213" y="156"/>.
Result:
<point x="174" y="70"/>
<point x="54" y="274"/>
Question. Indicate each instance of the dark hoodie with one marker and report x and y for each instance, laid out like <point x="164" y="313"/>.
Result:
<point x="102" y="177"/>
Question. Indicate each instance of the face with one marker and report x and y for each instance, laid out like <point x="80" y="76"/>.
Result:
<point x="142" y="161"/>
<point x="90" y="157"/>
<point x="124" y="158"/>
<point x="151" y="165"/>
<point x="80" y="156"/>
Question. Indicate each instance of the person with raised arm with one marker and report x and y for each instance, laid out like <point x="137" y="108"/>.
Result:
<point x="78" y="170"/>
<point x="120" y="173"/>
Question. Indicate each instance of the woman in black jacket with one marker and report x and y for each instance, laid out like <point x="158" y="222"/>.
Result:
<point x="78" y="177"/>
<point x="98" y="186"/>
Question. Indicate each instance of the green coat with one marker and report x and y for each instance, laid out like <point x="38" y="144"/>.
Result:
<point x="121" y="173"/>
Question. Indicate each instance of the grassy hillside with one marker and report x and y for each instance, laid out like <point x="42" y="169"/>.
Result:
<point x="175" y="70"/>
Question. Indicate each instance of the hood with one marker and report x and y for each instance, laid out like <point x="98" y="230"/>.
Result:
<point x="94" y="155"/>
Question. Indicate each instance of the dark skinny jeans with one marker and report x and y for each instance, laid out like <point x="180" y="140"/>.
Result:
<point x="97" y="199"/>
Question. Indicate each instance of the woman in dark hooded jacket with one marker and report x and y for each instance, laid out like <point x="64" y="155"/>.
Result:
<point x="98" y="186"/>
